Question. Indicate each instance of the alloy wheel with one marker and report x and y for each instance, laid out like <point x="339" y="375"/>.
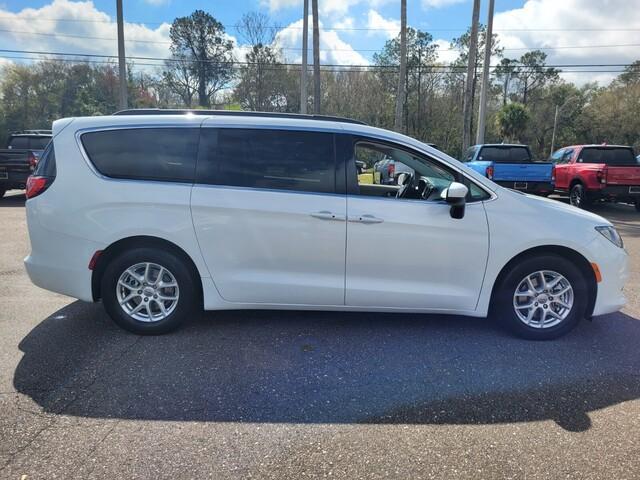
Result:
<point x="543" y="299"/>
<point x="147" y="292"/>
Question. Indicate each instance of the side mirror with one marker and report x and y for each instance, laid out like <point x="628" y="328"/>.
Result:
<point x="455" y="195"/>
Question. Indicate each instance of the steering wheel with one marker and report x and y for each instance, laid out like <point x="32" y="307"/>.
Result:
<point x="425" y="188"/>
<point x="406" y="180"/>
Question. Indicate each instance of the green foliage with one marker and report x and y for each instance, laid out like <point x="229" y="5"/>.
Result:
<point x="202" y="57"/>
<point x="512" y="120"/>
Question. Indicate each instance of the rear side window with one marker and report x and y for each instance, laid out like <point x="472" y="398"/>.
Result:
<point x="21" y="143"/>
<point x="274" y="159"/>
<point x="164" y="154"/>
<point x="505" y="154"/>
<point x="38" y="143"/>
<point x="47" y="163"/>
<point x="608" y="156"/>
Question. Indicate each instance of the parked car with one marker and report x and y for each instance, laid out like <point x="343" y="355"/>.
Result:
<point x="389" y="169"/>
<point x="244" y="211"/>
<point x="590" y="173"/>
<point x="20" y="157"/>
<point x="511" y="166"/>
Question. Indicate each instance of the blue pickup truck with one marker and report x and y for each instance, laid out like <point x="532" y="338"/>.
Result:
<point x="511" y="166"/>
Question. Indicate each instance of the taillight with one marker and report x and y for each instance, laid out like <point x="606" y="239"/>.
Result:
<point x="37" y="185"/>
<point x="489" y="172"/>
<point x="553" y="173"/>
<point x="392" y="170"/>
<point x="33" y="161"/>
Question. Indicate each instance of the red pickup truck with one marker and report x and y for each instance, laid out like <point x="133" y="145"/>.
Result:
<point x="589" y="173"/>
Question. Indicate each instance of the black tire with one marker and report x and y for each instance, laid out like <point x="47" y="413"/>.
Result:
<point x="578" y="196"/>
<point x="187" y="298"/>
<point x="2" y="191"/>
<point x="637" y="204"/>
<point x="504" y="298"/>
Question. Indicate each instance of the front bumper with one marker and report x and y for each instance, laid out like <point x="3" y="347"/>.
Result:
<point x="613" y="264"/>
<point x="538" y="188"/>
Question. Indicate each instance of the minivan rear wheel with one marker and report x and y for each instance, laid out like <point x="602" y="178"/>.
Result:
<point x="542" y="297"/>
<point x="148" y="291"/>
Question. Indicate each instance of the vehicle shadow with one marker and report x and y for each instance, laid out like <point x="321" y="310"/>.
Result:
<point x="15" y="200"/>
<point x="322" y="367"/>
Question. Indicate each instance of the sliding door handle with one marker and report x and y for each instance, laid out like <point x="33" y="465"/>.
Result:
<point x="365" y="219"/>
<point x="326" y="215"/>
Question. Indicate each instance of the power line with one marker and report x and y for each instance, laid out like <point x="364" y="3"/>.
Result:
<point x="343" y="69"/>
<point x="154" y="42"/>
<point x="357" y="29"/>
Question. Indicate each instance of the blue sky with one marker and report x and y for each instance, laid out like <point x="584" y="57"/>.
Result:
<point x="352" y="28"/>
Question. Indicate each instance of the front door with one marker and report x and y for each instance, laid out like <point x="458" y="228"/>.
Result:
<point x="269" y="222"/>
<point x="404" y="250"/>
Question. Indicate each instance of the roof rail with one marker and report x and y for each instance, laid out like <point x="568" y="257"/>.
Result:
<point x="31" y="132"/>
<point x="234" y="113"/>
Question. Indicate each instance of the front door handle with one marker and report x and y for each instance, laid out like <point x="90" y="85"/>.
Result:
<point x="327" y="215"/>
<point x="365" y="219"/>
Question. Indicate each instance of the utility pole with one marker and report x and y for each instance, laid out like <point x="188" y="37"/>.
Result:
<point x="122" y="63"/>
<point x="482" y="115"/>
<point x="316" y="58"/>
<point x="471" y="68"/>
<point x="400" y="97"/>
<point x="555" y="121"/>
<point x="304" y="97"/>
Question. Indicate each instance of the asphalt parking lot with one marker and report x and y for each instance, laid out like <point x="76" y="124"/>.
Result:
<point x="256" y="394"/>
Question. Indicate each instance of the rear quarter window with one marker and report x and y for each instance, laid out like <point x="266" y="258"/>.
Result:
<point x="608" y="156"/>
<point x="505" y="154"/>
<point x="162" y="154"/>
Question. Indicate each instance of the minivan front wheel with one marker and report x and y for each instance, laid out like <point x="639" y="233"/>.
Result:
<point x="542" y="297"/>
<point x="148" y="291"/>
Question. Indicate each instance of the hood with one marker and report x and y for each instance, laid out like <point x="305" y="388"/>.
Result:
<point x="557" y="206"/>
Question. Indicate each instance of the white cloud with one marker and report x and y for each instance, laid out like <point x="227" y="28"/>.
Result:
<point x="64" y="25"/>
<point x="344" y="23"/>
<point x="440" y="3"/>
<point x="446" y="53"/>
<point x="557" y="23"/>
<point x="379" y="25"/>
<point x="157" y="3"/>
<point x="325" y="7"/>
<point x="333" y="50"/>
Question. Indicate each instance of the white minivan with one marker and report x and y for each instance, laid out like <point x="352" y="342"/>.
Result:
<point x="160" y="213"/>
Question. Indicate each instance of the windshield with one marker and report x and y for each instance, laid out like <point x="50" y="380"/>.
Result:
<point x="500" y="154"/>
<point x="608" y="156"/>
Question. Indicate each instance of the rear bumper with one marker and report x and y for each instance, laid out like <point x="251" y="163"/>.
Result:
<point x="59" y="262"/>
<point x="620" y="193"/>
<point x="527" y="186"/>
<point x="14" y="179"/>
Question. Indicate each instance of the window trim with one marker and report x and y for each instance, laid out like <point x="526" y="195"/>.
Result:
<point x="78" y="137"/>
<point x="352" y="176"/>
<point x="338" y="184"/>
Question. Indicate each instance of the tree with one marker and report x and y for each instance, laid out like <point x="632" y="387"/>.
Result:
<point x="505" y="72"/>
<point x="532" y="73"/>
<point x="199" y="44"/>
<point x="631" y="74"/>
<point x="512" y="120"/>
<point x="259" y="85"/>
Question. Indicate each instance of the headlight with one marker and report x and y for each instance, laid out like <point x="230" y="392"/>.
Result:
<point x="611" y="234"/>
